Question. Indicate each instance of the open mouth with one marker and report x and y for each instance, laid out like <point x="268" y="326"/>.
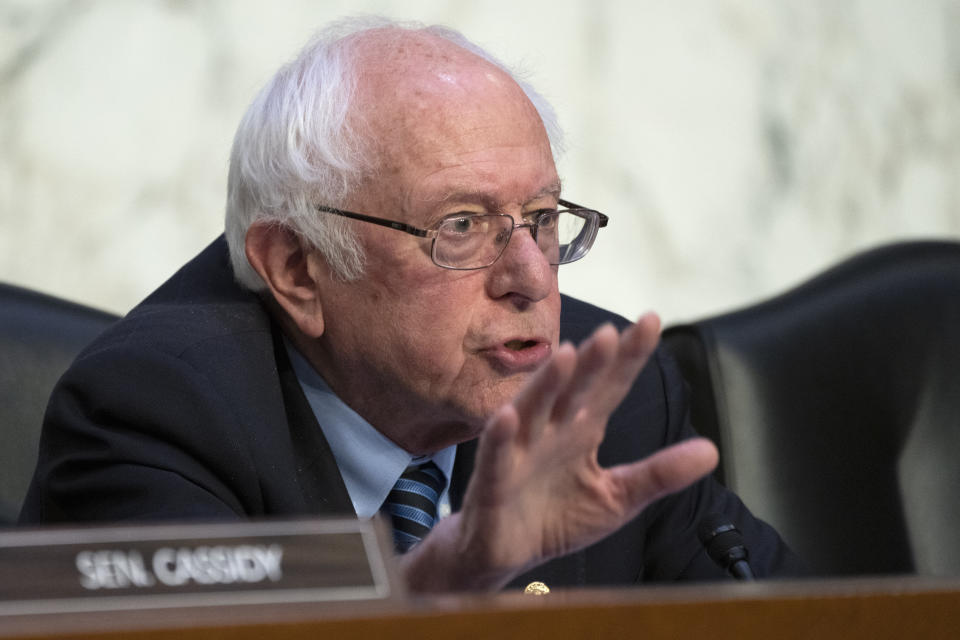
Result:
<point x="518" y="355"/>
<point x="520" y="345"/>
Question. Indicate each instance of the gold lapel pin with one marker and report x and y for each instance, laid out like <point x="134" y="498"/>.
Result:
<point x="536" y="589"/>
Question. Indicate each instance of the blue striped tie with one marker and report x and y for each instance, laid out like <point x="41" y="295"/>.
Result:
<point x="412" y="504"/>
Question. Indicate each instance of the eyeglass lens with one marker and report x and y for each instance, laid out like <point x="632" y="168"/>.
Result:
<point x="475" y="241"/>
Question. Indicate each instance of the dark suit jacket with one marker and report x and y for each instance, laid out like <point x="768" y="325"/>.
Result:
<point x="188" y="409"/>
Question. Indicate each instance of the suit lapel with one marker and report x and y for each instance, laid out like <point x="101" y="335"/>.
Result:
<point x="317" y="474"/>
<point x="462" y="468"/>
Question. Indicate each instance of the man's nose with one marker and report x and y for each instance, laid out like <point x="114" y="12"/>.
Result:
<point x="523" y="270"/>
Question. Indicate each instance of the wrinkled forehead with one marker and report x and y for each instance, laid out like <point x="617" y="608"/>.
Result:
<point x="415" y="82"/>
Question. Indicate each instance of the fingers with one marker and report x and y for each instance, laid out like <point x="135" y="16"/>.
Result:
<point x="495" y="459"/>
<point x="598" y="375"/>
<point x="637" y="343"/>
<point x="535" y="402"/>
<point x="666" y="471"/>
<point x="607" y="366"/>
<point x="594" y="358"/>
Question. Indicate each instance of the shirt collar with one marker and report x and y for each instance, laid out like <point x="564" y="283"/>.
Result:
<point x="369" y="462"/>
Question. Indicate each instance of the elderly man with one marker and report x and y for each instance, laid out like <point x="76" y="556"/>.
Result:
<point x="395" y="226"/>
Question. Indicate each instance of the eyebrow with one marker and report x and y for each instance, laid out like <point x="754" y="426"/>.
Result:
<point x="481" y="198"/>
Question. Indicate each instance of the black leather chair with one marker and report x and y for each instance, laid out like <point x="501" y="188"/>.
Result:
<point x="39" y="336"/>
<point x="836" y="407"/>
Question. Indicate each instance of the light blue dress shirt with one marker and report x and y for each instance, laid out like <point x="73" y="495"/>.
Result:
<point x="370" y="463"/>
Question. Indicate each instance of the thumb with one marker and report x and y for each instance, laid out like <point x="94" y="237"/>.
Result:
<point x="665" y="472"/>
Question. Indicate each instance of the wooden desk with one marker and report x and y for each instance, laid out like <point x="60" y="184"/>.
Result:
<point x="896" y="607"/>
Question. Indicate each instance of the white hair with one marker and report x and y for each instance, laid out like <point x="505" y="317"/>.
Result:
<point x="296" y="147"/>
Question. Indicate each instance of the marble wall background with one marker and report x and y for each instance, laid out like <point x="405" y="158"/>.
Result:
<point x="739" y="146"/>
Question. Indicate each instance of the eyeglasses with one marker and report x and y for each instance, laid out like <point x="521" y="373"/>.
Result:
<point x="477" y="240"/>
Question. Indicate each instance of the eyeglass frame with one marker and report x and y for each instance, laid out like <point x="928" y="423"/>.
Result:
<point x="432" y="233"/>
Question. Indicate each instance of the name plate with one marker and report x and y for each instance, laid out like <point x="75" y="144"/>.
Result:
<point x="194" y="565"/>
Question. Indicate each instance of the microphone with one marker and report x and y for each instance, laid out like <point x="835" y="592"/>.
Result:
<point x="724" y="544"/>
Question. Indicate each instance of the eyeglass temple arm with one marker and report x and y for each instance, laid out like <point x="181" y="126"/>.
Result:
<point x="424" y="233"/>
<point x="392" y="224"/>
<point x="570" y="205"/>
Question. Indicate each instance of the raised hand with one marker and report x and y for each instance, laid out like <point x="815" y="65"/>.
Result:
<point x="537" y="490"/>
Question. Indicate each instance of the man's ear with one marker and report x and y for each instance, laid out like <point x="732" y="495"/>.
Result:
<point x="283" y="262"/>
